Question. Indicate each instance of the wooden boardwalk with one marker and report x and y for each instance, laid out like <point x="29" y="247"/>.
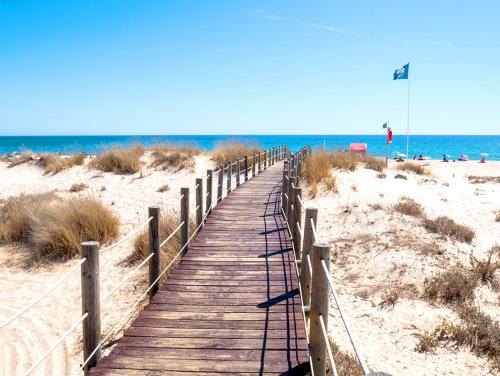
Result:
<point x="232" y="306"/>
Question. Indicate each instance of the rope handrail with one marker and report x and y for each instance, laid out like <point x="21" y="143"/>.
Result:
<point x="54" y="346"/>
<point x="172" y="234"/>
<point x="128" y="237"/>
<point x="299" y="228"/>
<point x="43" y="295"/>
<point x="125" y="317"/>
<point x="328" y="346"/>
<point x="313" y="228"/>
<point x="343" y="316"/>
<point x="129" y="275"/>
<point x="301" y="202"/>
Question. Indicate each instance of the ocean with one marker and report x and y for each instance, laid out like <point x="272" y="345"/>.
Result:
<point x="432" y="146"/>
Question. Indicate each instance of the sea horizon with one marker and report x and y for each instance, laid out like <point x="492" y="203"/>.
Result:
<point x="433" y="146"/>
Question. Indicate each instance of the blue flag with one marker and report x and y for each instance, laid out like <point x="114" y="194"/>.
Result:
<point x="402" y="73"/>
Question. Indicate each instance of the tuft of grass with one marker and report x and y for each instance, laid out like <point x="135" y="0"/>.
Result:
<point x="119" y="160"/>
<point x="427" y="343"/>
<point x="448" y="227"/>
<point x="316" y="169"/>
<point x="453" y="286"/>
<point x="344" y="160"/>
<point x="497" y="216"/>
<point x="164" y="188"/>
<point x="381" y="175"/>
<point x="231" y="150"/>
<point x="24" y="157"/>
<point x="413" y="167"/>
<point x="485" y="270"/>
<point x="53" y="228"/>
<point x="483" y="179"/>
<point x="78" y="187"/>
<point x="390" y="298"/>
<point x="168" y="223"/>
<point x="176" y="157"/>
<point x="374" y="163"/>
<point x="400" y="176"/>
<point x="346" y="364"/>
<point x="410" y="207"/>
<point x="376" y="206"/>
<point x="53" y="163"/>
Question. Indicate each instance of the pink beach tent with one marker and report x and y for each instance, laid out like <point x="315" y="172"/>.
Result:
<point x="358" y="148"/>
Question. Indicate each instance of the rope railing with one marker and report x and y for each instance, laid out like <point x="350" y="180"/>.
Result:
<point x="305" y="242"/>
<point x="347" y="326"/>
<point x="128" y="237"/>
<point x="44" y="294"/>
<point x="92" y="250"/>
<point x="54" y="346"/>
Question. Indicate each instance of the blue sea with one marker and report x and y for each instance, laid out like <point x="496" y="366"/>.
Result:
<point x="432" y="146"/>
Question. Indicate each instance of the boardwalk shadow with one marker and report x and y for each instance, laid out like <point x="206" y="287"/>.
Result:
<point x="274" y="224"/>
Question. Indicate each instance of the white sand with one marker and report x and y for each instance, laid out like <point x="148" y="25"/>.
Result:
<point x="23" y="341"/>
<point x="377" y="250"/>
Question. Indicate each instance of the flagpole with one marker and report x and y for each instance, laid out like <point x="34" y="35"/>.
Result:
<point x="408" y="120"/>
<point x="387" y="146"/>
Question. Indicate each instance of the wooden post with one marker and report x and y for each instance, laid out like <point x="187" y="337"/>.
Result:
<point x="297" y="211"/>
<point x="305" y="273"/>
<point x="265" y="159"/>
<point x="260" y="163"/>
<point x="291" y="184"/>
<point x="319" y="307"/>
<point x="229" y="176"/>
<point x="238" y="172"/>
<point x="253" y="165"/>
<point x="284" y="187"/>
<point x="199" y="202"/>
<point x="91" y="303"/>
<point x="154" y="248"/>
<point x="184" y="219"/>
<point x="209" y="192"/>
<point x="245" y="165"/>
<point x="219" y="183"/>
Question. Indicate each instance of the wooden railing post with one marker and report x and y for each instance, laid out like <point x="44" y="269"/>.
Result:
<point x="229" y="176"/>
<point x="319" y="307"/>
<point x="291" y="184"/>
<point x="260" y="163"/>
<point x="297" y="211"/>
<point x="238" y="172"/>
<point x="199" y="202"/>
<point x="245" y="166"/>
<point x="154" y="248"/>
<point x="208" y="203"/>
<point x="284" y="188"/>
<point x="265" y="159"/>
<point x="91" y="303"/>
<point x="220" y="178"/>
<point x="305" y="273"/>
<point x="184" y="219"/>
<point x="253" y="165"/>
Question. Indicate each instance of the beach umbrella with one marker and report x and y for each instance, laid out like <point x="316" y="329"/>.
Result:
<point x="447" y="155"/>
<point x="402" y="155"/>
<point x="484" y="155"/>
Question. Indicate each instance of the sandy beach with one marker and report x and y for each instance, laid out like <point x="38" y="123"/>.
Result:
<point x="377" y="250"/>
<point x="25" y="340"/>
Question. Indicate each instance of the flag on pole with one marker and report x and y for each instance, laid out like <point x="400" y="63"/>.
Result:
<point x="401" y="73"/>
<point x="389" y="136"/>
<point x="384" y="125"/>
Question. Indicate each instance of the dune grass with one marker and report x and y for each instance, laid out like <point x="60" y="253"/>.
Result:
<point x="231" y="150"/>
<point x="169" y="222"/>
<point x="119" y="160"/>
<point x="24" y="157"/>
<point x="374" y="163"/>
<point x="345" y="363"/>
<point x="446" y="226"/>
<point x="455" y="285"/>
<point x="53" y="228"/>
<point x="410" y="207"/>
<point x="316" y="170"/>
<point x="78" y="187"/>
<point x="175" y="157"/>
<point x="414" y="168"/>
<point x="53" y="163"/>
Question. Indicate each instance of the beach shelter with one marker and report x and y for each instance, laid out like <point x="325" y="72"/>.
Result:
<point x="358" y="148"/>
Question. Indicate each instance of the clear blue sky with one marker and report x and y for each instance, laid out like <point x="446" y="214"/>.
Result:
<point x="251" y="67"/>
